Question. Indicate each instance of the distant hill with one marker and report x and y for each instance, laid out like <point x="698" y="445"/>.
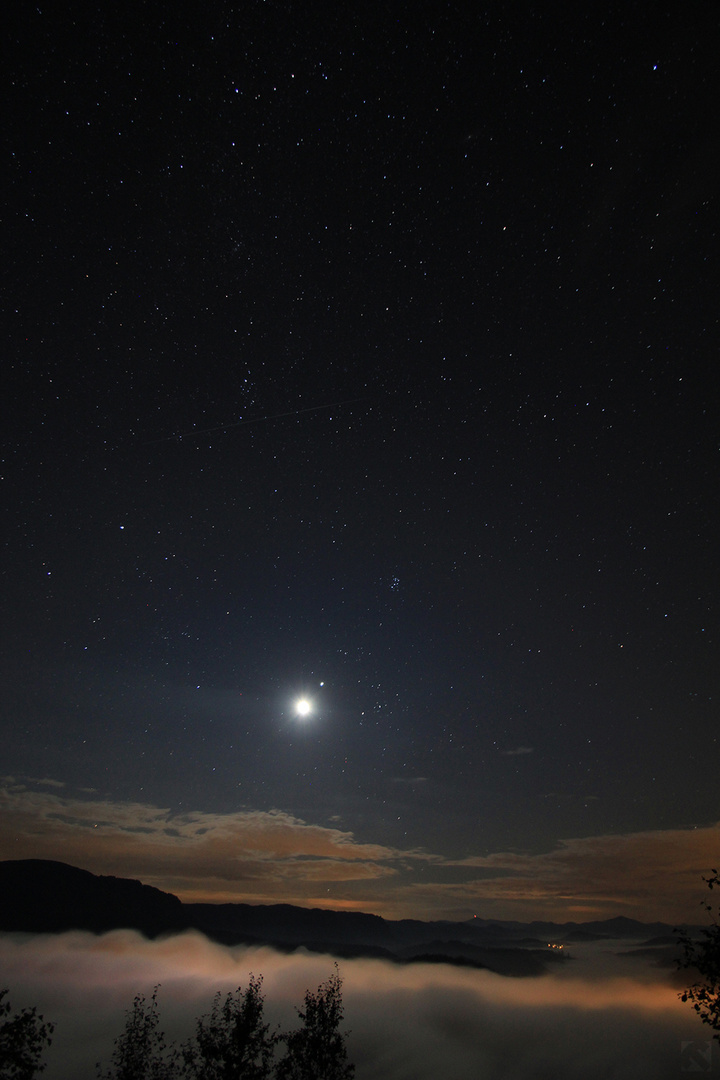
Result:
<point x="287" y="924"/>
<point x="40" y="896"/>
<point x="46" y="897"/>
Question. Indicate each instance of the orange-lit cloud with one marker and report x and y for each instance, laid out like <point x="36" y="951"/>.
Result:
<point x="267" y="857"/>
<point x="645" y="875"/>
<point x="246" y="855"/>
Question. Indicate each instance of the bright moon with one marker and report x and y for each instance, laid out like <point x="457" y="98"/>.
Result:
<point x="303" y="707"/>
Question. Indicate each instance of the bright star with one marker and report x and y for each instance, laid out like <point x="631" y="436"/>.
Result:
<point x="303" y="707"/>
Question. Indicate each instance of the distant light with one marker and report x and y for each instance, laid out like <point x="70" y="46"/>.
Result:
<point x="303" y="707"/>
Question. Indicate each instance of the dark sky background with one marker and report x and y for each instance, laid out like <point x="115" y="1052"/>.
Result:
<point x="367" y="353"/>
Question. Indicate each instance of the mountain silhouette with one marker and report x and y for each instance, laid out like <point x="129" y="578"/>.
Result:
<point x="42" y="896"/>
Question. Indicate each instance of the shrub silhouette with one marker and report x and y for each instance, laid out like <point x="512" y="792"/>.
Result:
<point x="703" y="956"/>
<point x="22" y="1041"/>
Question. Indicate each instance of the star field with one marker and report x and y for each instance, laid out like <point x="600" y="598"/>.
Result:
<point x="367" y="357"/>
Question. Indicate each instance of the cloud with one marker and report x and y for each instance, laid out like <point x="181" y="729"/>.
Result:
<point x="258" y="855"/>
<point x="419" y="1021"/>
<point x="272" y="856"/>
<point x="646" y="875"/>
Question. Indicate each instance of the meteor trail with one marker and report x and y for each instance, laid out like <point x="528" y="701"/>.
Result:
<point x="256" y="420"/>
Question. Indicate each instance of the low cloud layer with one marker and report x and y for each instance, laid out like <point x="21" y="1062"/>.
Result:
<point x="267" y="857"/>
<point x="416" y="1022"/>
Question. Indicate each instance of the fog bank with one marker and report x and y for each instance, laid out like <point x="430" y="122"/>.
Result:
<point x="598" y="1018"/>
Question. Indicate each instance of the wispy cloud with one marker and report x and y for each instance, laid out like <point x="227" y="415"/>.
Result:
<point x="645" y="875"/>
<point x="271" y="856"/>
<point x="256" y="855"/>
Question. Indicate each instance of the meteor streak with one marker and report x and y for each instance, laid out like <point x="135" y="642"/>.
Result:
<point x="255" y="420"/>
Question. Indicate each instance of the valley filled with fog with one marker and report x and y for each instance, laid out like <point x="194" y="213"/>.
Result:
<point x="602" y="1013"/>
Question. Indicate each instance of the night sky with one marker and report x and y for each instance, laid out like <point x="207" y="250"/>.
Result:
<point x="365" y="354"/>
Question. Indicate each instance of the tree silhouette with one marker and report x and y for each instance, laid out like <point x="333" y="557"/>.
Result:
<point x="232" y="1043"/>
<point x="703" y="956"/>
<point x="22" y="1041"/>
<point x="316" y="1050"/>
<point x="141" y="1052"/>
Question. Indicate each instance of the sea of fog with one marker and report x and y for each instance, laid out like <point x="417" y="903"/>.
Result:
<point x="600" y="1016"/>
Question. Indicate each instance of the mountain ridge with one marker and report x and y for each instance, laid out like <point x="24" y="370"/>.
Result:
<point x="46" y="896"/>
